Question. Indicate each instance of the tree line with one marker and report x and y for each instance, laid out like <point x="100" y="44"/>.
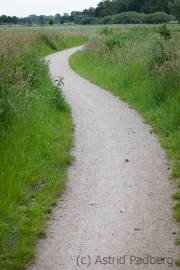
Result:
<point x="105" y="10"/>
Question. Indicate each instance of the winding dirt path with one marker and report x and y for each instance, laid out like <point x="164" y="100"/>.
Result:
<point x="117" y="203"/>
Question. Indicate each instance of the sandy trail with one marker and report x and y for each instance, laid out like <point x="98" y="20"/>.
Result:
<point x="117" y="203"/>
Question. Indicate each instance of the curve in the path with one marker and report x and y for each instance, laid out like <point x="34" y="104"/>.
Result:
<point x="118" y="200"/>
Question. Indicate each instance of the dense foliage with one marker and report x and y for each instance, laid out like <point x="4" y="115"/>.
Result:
<point x="175" y="8"/>
<point x="107" y="8"/>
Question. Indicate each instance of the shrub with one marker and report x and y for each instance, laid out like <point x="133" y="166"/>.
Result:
<point x="163" y="31"/>
<point x="127" y="18"/>
<point x="162" y="54"/>
<point x="132" y="17"/>
<point x="97" y="21"/>
<point x="86" y="20"/>
<point x="157" y="17"/>
<point x="113" y="38"/>
<point x="107" y="20"/>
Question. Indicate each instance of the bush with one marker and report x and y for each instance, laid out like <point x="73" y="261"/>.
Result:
<point x="86" y="20"/>
<point x="132" y="17"/>
<point x="163" y="31"/>
<point x="97" y="21"/>
<point x="162" y="55"/>
<point x="113" y="38"/>
<point x="157" y="17"/>
<point x="107" y="20"/>
<point x="126" y="18"/>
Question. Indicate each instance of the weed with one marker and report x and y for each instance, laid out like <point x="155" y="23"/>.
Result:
<point x="59" y="100"/>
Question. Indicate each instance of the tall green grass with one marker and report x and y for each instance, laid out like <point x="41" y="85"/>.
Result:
<point x="48" y="42"/>
<point x="36" y="135"/>
<point x="142" y="66"/>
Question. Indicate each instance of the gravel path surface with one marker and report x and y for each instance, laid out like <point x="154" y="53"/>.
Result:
<point x="116" y="212"/>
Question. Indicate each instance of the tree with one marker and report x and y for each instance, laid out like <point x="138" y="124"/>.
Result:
<point x="175" y="9"/>
<point x="76" y="16"/>
<point x="14" y="20"/>
<point x="146" y="8"/>
<point x="32" y="19"/>
<point x="91" y="11"/>
<point x="58" y="17"/>
<point x="51" y="21"/>
<point x="66" y="18"/>
<point x="100" y="7"/>
<point x="4" y="19"/>
<point x="159" y="5"/>
<point x="121" y="6"/>
<point x="135" y="5"/>
<point x="41" y="19"/>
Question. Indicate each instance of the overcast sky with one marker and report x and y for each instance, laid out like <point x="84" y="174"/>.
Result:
<point x="23" y="8"/>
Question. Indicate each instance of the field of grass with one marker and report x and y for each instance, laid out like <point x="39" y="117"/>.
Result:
<point x="141" y="65"/>
<point x="44" y="40"/>
<point x="36" y="135"/>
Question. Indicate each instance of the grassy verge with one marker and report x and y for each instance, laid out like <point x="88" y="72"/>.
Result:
<point x="141" y="65"/>
<point x="36" y="135"/>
